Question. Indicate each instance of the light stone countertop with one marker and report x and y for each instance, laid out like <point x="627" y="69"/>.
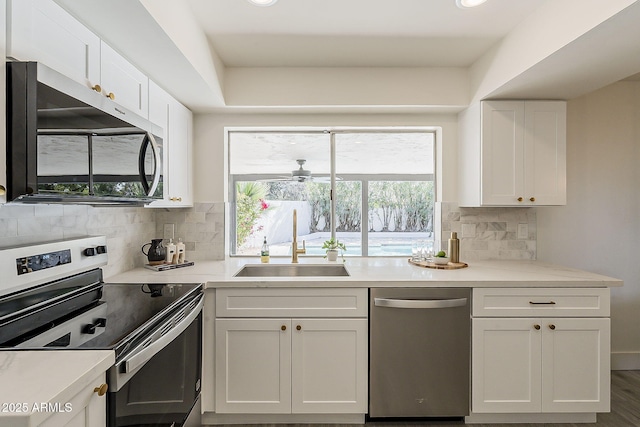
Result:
<point x="34" y="378"/>
<point x="377" y="272"/>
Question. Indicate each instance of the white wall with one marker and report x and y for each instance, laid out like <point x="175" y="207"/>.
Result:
<point x="599" y="228"/>
<point x="210" y="160"/>
<point x="442" y="87"/>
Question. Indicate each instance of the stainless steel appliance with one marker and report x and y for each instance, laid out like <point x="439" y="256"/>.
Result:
<point x="419" y="340"/>
<point x="68" y="143"/>
<point x="55" y="297"/>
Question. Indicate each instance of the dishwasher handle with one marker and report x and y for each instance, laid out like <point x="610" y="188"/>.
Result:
<point x="419" y="303"/>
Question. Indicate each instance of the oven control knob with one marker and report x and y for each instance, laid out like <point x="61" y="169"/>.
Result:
<point x="101" y="249"/>
<point x="101" y="322"/>
<point x="89" y="252"/>
<point x="89" y="329"/>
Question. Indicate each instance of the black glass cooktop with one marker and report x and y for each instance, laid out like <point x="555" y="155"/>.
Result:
<point x="135" y="309"/>
<point x="131" y="309"/>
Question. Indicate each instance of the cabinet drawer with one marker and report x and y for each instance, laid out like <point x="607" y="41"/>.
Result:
<point x="567" y="302"/>
<point x="289" y="302"/>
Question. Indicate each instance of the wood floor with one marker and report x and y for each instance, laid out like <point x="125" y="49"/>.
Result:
<point x="625" y="410"/>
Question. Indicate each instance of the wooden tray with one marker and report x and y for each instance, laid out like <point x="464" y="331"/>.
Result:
<point x="165" y="266"/>
<point x="448" y="266"/>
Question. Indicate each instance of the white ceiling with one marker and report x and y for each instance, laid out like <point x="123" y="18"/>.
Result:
<point x="356" y="33"/>
<point x="369" y="55"/>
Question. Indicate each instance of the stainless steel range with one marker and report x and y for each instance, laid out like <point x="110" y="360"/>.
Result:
<point x="54" y="297"/>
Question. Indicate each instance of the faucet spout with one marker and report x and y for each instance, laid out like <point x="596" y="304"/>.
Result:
<point x="294" y="245"/>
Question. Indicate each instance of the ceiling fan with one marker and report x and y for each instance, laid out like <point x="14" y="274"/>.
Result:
<point x="301" y="175"/>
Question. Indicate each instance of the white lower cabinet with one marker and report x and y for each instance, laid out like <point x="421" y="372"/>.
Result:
<point x="88" y="408"/>
<point x="540" y="364"/>
<point x="291" y="365"/>
<point x="295" y="366"/>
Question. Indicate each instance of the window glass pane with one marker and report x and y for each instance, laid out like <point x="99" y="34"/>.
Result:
<point x="398" y="171"/>
<point x="349" y="216"/>
<point x="399" y="212"/>
<point x="265" y="209"/>
<point x="276" y="154"/>
<point x="287" y="170"/>
<point x="385" y="153"/>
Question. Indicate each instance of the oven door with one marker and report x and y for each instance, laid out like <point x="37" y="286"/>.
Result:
<point x="158" y="382"/>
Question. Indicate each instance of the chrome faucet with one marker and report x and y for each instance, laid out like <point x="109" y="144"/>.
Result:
<point x="294" y="246"/>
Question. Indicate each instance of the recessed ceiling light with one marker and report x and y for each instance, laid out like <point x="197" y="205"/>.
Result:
<point x="464" y="4"/>
<point x="263" y="2"/>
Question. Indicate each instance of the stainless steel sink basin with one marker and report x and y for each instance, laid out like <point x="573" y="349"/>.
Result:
<point x="292" y="270"/>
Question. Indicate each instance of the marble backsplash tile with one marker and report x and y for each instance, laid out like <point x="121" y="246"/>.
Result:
<point x="484" y="233"/>
<point x="126" y="228"/>
<point x="490" y="233"/>
<point x="201" y="228"/>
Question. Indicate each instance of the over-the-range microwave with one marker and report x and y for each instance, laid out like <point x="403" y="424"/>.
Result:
<point x="67" y="143"/>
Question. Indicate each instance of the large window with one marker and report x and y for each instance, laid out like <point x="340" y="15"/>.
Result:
<point x="383" y="182"/>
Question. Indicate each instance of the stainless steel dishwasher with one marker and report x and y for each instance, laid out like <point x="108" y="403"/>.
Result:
<point x="419" y="343"/>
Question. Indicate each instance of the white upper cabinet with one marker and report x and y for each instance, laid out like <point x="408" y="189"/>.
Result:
<point x="42" y="31"/>
<point x="123" y="82"/>
<point x="177" y="122"/>
<point x="513" y="153"/>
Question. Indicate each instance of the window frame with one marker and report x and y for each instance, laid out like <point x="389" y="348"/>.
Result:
<point x="363" y="178"/>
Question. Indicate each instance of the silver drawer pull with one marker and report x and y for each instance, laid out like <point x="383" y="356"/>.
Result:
<point x="542" y="303"/>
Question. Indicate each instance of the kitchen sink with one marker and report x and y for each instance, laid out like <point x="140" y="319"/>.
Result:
<point x="292" y="270"/>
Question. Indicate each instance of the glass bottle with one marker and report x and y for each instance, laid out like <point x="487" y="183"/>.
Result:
<point x="264" y="252"/>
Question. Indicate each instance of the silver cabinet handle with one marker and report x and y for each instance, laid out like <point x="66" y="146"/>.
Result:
<point x="419" y="303"/>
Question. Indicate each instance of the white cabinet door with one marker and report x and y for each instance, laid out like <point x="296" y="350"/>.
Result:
<point x="41" y="30"/>
<point x="551" y="365"/>
<point x="180" y="155"/>
<point x="545" y="157"/>
<point x="123" y="82"/>
<point x="576" y="365"/>
<point x="159" y="106"/>
<point x="89" y="409"/>
<point x="329" y="366"/>
<point x="177" y="122"/>
<point x="506" y="365"/>
<point x="502" y="152"/>
<point x="513" y="153"/>
<point x="253" y="366"/>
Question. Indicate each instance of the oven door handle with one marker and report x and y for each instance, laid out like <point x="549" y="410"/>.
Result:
<point x="139" y="358"/>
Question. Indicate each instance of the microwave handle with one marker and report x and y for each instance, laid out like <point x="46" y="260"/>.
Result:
<point x="149" y="140"/>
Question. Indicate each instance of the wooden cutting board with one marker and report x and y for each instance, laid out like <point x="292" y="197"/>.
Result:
<point x="448" y="266"/>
